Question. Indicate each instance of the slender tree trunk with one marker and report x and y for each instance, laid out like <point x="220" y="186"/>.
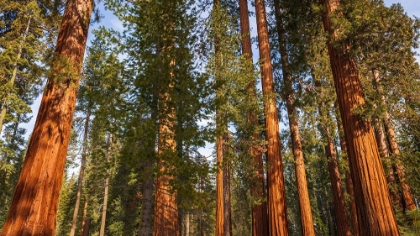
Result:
<point x="86" y="227"/>
<point x="106" y="189"/>
<point x="220" y="206"/>
<point x="14" y="73"/>
<point x="259" y="212"/>
<point x="84" y="219"/>
<point x="338" y="197"/>
<point x="34" y="206"/>
<point x="374" y="208"/>
<point x="227" y="215"/>
<point x="288" y="96"/>
<point x="81" y="174"/>
<point x="349" y="181"/>
<point x="384" y="153"/>
<point x="277" y="219"/>
<point x="408" y="199"/>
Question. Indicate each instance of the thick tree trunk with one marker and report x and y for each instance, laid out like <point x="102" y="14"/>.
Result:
<point x="288" y="96"/>
<point x="166" y="207"/>
<point x="106" y="189"/>
<point x="81" y="174"/>
<point x="374" y="208"/>
<point x="277" y="219"/>
<point x="349" y="181"/>
<point x="86" y="227"/>
<point x="34" y="206"/>
<point x="259" y="212"/>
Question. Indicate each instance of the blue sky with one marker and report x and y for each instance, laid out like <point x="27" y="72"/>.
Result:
<point x="412" y="7"/>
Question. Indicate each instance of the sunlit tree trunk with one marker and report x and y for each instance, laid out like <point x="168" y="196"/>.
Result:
<point x="288" y="96"/>
<point x="277" y="219"/>
<point x="374" y="208"/>
<point x="349" y="181"/>
<point x="34" y="206"/>
<point x="81" y="174"/>
<point x="84" y="219"/>
<point x="259" y="212"/>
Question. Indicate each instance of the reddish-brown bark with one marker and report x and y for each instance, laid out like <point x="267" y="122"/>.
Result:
<point x="34" y="207"/>
<point x="374" y="208"/>
<point x="277" y="219"/>
<point x="220" y="206"/>
<point x="343" y="227"/>
<point x="349" y="181"/>
<point x="259" y="212"/>
<point x="288" y="96"/>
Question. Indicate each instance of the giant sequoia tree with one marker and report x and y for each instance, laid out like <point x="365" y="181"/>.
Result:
<point x="34" y="207"/>
<point x="374" y="209"/>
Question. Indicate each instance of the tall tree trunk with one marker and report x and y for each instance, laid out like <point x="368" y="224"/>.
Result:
<point x="166" y="207"/>
<point x="277" y="219"/>
<point x="106" y="189"/>
<point x="84" y="219"/>
<point x="259" y="212"/>
<point x="288" y="96"/>
<point x="147" y="206"/>
<point x="408" y="199"/>
<point x="227" y="215"/>
<point x="349" y="181"/>
<point x="81" y="174"/>
<point x="338" y="197"/>
<point x="384" y="153"/>
<point x="220" y="206"/>
<point x="34" y="206"/>
<point x="374" y="208"/>
<point x="86" y="227"/>
<point x="14" y="73"/>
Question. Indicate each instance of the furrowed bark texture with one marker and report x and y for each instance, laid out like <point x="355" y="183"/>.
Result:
<point x="277" y="219"/>
<point x="34" y="206"/>
<point x="81" y="175"/>
<point x="259" y="212"/>
<point x="374" y="207"/>
<point x="288" y="96"/>
<point x="349" y="181"/>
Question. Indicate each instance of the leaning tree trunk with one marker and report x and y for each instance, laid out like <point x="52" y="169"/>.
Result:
<point x="34" y="206"/>
<point x="277" y="219"/>
<point x="374" y="208"/>
<point x="288" y="96"/>
<point x="259" y="212"/>
<point x="407" y="197"/>
<point x="81" y="174"/>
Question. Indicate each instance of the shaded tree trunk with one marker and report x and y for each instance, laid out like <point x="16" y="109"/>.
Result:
<point x="227" y="215"/>
<point x="259" y="212"/>
<point x="288" y="96"/>
<point x="81" y="174"/>
<point x="106" y="189"/>
<point x="407" y="197"/>
<point x="84" y="219"/>
<point x="34" y="206"/>
<point x="349" y="181"/>
<point x="277" y="220"/>
<point x="147" y="206"/>
<point x="374" y="208"/>
<point x="338" y="197"/>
